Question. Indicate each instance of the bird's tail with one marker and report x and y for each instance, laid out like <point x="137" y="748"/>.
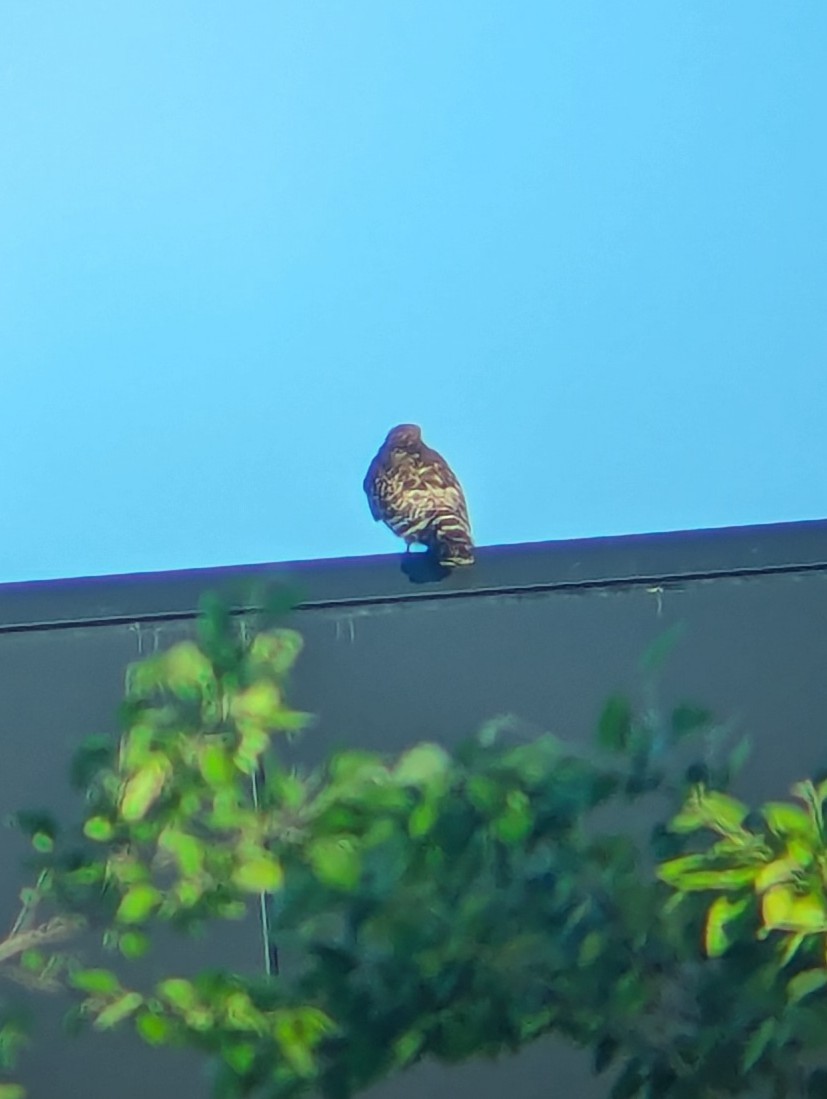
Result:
<point x="452" y="540"/>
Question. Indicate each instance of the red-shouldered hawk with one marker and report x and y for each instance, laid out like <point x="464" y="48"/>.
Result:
<point x="414" y="490"/>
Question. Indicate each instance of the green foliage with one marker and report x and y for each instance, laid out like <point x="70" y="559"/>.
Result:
<point x="433" y="905"/>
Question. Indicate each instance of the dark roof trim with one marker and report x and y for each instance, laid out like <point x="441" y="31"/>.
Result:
<point x="358" y="581"/>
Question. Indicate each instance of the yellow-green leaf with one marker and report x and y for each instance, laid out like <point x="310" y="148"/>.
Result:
<point x="216" y="765"/>
<point x="788" y="820"/>
<point x="260" y="874"/>
<point x="776" y="905"/>
<point x="422" y="765"/>
<point x="259" y="703"/>
<point x="336" y="861"/>
<point x="276" y="650"/>
<point x="723" y="811"/>
<point x="253" y="741"/>
<point x="138" y="903"/>
<point x="241" y="1013"/>
<point x="791" y="947"/>
<point x="120" y="1010"/>
<point x="12" y="1091"/>
<point x="199" y="1018"/>
<point x="804" y="983"/>
<point x="144" y="788"/>
<point x="187" y="670"/>
<point x="774" y="873"/>
<point x="179" y="993"/>
<point x="187" y="851"/>
<point x="689" y="819"/>
<point x="807" y="913"/>
<point x="722" y="913"/>
<point x="694" y="873"/>
<point x="784" y="910"/>
<point x="298" y="1032"/>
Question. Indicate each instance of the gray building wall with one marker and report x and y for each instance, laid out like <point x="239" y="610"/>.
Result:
<point x="543" y="631"/>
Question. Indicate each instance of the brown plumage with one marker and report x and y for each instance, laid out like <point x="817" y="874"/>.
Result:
<point x="414" y="490"/>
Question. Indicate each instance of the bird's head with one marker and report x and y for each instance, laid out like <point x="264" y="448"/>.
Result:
<point x="404" y="437"/>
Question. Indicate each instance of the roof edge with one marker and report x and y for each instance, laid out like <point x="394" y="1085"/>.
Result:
<point x="521" y="567"/>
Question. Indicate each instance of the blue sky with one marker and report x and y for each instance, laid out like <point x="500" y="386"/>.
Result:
<point x="584" y="245"/>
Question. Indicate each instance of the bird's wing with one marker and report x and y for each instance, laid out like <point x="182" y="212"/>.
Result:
<point x="369" y="485"/>
<point x="444" y="487"/>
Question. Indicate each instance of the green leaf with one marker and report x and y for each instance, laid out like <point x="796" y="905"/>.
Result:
<point x="253" y="742"/>
<point x="98" y="981"/>
<point x="259" y="874"/>
<point x="690" y="818"/>
<point x="484" y="794"/>
<point x="179" y="993"/>
<point x="810" y="980"/>
<point x="422" y="819"/>
<point x="336" y="861"/>
<point x="800" y="851"/>
<point x="240" y="1056"/>
<point x="216" y="765"/>
<point x="757" y="1044"/>
<point x="723" y="811"/>
<point x="782" y="909"/>
<point x="298" y="1032"/>
<point x="188" y="671"/>
<point x="260" y="704"/>
<point x="807" y="913"/>
<point x="722" y="914"/>
<point x="774" y="873"/>
<point x="592" y="947"/>
<point x="614" y="726"/>
<point x="138" y="903"/>
<point x="788" y="820"/>
<point x="688" y="719"/>
<point x="661" y="647"/>
<point x="739" y="756"/>
<point x="791" y="948"/>
<point x="187" y="851"/>
<point x="241" y="1014"/>
<point x="144" y="788"/>
<point x="156" y="1030"/>
<point x="133" y="944"/>
<point x="42" y="843"/>
<point x="407" y="1046"/>
<point x="276" y="651"/>
<point x="422" y="766"/>
<point x="99" y="829"/>
<point x="516" y="820"/>
<point x="694" y="872"/>
<point x="12" y="1091"/>
<point x="291" y="721"/>
<point x="120" y="1010"/>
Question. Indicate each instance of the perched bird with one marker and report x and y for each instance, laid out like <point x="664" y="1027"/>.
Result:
<point x="414" y="490"/>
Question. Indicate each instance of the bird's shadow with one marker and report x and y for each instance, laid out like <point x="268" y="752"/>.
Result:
<point x="423" y="568"/>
